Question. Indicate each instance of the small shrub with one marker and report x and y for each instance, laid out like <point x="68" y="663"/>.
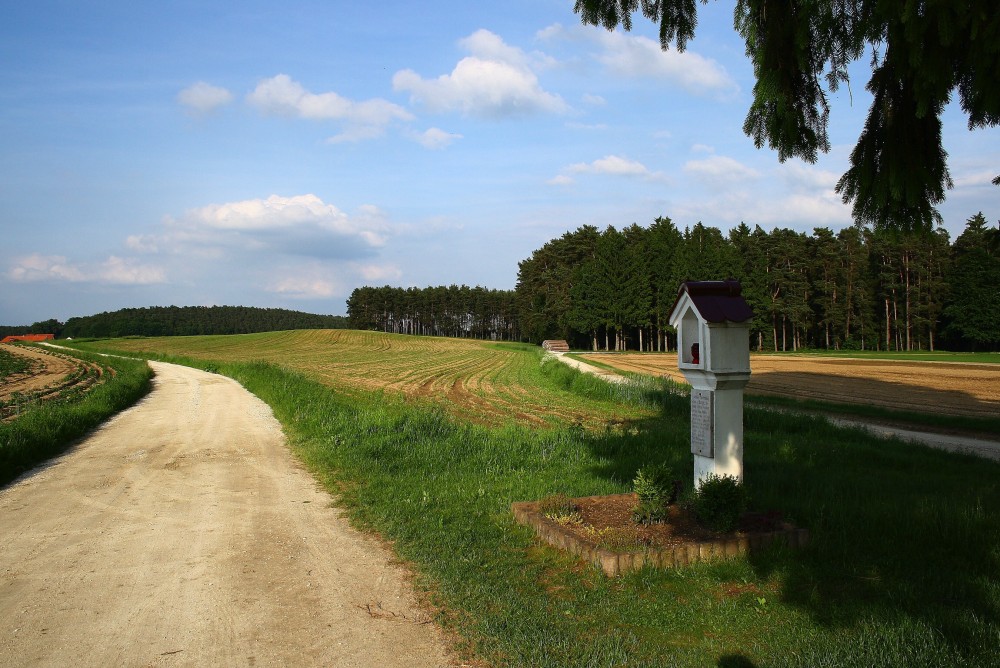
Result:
<point x="719" y="502"/>
<point x="560" y="508"/>
<point x="655" y="486"/>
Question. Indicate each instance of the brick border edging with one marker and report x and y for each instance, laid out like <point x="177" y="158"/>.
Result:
<point x="619" y="563"/>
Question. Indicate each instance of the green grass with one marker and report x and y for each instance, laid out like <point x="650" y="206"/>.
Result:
<point x="903" y="568"/>
<point x="11" y="364"/>
<point x="934" y="421"/>
<point x="49" y="427"/>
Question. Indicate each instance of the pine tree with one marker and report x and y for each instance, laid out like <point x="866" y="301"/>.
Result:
<point x="974" y="310"/>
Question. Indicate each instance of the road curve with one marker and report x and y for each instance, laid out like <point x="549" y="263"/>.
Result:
<point x="184" y="533"/>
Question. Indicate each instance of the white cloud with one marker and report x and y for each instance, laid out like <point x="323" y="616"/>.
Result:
<point x="303" y="287"/>
<point x="635" y="56"/>
<point x="618" y="166"/>
<point x="126" y="271"/>
<point x="357" y="133"/>
<point x="495" y="81"/>
<point x="283" y="213"/>
<point x="56" y="268"/>
<point x="377" y="273"/>
<point x="974" y="179"/>
<point x="561" y="180"/>
<point x="259" y="232"/>
<point x="38" y="267"/>
<point x="611" y="164"/>
<point x="489" y="46"/>
<point x="141" y="244"/>
<point x="720" y="168"/>
<point x="793" y="195"/>
<point x="805" y="177"/>
<point x="281" y="96"/>
<point x="434" y="138"/>
<point x="805" y="211"/>
<point x="203" y="98"/>
<point x="594" y="100"/>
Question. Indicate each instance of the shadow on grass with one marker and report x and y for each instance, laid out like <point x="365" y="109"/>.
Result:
<point x="900" y="534"/>
<point x="918" y="399"/>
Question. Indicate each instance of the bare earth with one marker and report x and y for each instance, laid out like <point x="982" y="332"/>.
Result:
<point x="50" y="370"/>
<point x="937" y="387"/>
<point x="184" y="533"/>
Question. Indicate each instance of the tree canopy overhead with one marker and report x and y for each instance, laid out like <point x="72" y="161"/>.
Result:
<point x="921" y="52"/>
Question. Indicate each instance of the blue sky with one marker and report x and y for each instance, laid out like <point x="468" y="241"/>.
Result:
<point x="195" y="153"/>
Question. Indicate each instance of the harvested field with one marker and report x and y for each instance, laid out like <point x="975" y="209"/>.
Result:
<point x="477" y="380"/>
<point x="48" y="375"/>
<point x="948" y="388"/>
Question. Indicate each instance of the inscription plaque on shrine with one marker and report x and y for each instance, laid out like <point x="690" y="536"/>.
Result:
<point x="702" y="410"/>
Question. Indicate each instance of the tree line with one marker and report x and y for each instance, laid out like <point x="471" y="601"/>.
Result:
<point x="854" y="289"/>
<point x="180" y="321"/>
<point x="458" y="311"/>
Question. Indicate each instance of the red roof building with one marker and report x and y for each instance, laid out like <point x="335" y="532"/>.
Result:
<point x="28" y="337"/>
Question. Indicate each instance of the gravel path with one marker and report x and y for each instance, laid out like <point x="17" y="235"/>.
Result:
<point x="184" y="533"/>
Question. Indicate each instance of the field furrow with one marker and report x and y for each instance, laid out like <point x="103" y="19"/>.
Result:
<point x="477" y="380"/>
<point x="967" y="389"/>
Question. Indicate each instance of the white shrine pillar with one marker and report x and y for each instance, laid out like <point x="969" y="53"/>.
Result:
<point x="713" y="352"/>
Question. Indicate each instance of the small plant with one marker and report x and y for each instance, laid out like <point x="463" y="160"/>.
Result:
<point x="655" y="486"/>
<point x="719" y="502"/>
<point x="560" y="508"/>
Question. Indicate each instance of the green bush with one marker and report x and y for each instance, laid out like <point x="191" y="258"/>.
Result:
<point x="719" y="502"/>
<point x="655" y="487"/>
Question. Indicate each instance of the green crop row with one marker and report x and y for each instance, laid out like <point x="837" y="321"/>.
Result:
<point x="13" y="364"/>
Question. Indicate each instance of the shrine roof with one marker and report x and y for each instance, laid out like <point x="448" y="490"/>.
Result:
<point x="716" y="301"/>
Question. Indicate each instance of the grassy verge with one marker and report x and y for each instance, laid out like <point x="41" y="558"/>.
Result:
<point x="49" y="427"/>
<point x="902" y="569"/>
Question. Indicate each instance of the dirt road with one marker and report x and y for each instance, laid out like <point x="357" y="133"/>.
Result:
<point x="184" y="533"/>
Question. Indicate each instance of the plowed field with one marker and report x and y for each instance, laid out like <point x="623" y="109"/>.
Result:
<point x="49" y="375"/>
<point x="478" y="380"/>
<point x="937" y="387"/>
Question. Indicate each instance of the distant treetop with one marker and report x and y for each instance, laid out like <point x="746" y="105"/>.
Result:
<point x="182" y="320"/>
